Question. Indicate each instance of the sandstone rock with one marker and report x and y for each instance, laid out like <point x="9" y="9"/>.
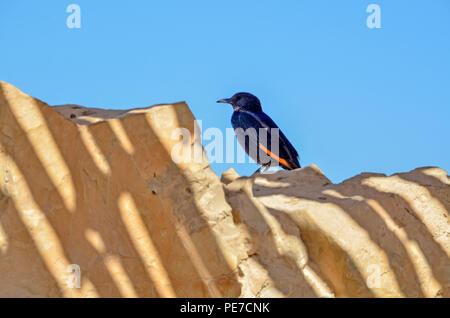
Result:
<point x="102" y="192"/>
<point x="97" y="191"/>
<point x="370" y="236"/>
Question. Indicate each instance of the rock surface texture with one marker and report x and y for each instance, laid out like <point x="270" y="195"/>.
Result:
<point x="92" y="204"/>
<point x="370" y="236"/>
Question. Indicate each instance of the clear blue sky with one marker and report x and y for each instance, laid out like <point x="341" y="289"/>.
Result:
<point x="350" y="98"/>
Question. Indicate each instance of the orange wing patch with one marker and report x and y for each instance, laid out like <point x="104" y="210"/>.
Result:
<point x="274" y="156"/>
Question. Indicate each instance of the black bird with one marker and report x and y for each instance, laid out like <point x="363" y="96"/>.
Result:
<point x="262" y="149"/>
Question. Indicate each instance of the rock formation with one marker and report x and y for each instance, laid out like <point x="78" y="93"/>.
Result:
<point x="370" y="236"/>
<point x="95" y="194"/>
<point x="103" y="193"/>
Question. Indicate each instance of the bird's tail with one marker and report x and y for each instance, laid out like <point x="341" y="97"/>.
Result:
<point x="293" y="164"/>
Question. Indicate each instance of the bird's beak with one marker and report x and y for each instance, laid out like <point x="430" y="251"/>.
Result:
<point x="225" y="100"/>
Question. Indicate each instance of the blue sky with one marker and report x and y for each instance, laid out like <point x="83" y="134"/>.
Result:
<point x="351" y="99"/>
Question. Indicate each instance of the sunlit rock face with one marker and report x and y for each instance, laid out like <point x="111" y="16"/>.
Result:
<point x="95" y="194"/>
<point x="100" y="190"/>
<point x="370" y="236"/>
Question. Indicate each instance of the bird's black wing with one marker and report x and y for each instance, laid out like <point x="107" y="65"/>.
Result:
<point x="251" y="138"/>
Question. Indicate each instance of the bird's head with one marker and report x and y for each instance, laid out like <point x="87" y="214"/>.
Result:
<point x="243" y="101"/>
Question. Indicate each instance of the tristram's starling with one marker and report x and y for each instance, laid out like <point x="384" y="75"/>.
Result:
<point x="257" y="133"/>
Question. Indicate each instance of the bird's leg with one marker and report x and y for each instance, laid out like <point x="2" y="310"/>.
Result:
<point x="261" y="169"/>
<point x="256" y="172"/>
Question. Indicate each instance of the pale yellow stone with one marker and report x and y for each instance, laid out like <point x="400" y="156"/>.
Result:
<point x="370" y="236"/>
<point x="98" y="190"/>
